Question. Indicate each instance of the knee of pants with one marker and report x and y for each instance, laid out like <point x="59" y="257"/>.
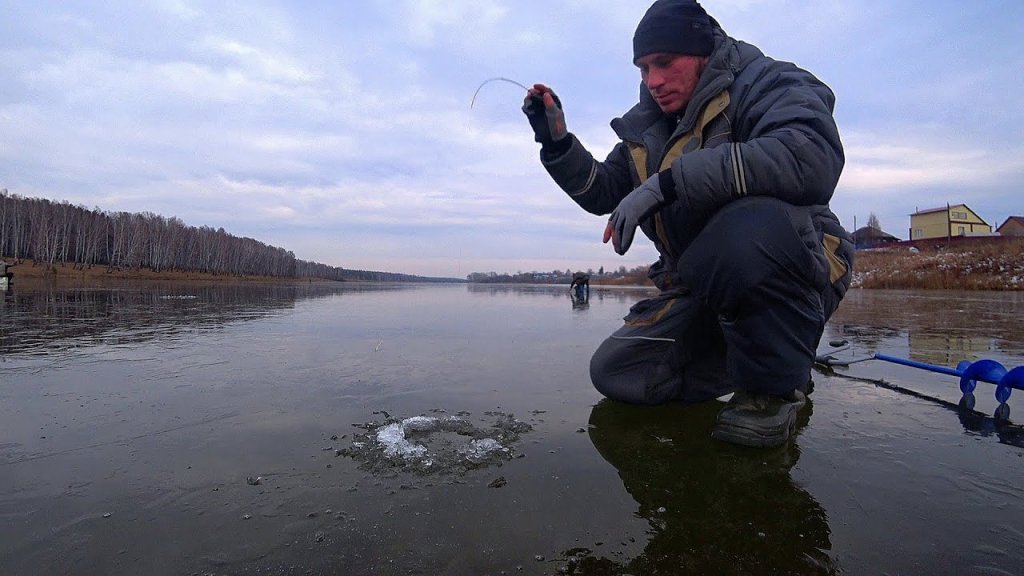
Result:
<point x="604" y="368"/>
<point x="620" y="375"/>
<point x="745" y="244"/>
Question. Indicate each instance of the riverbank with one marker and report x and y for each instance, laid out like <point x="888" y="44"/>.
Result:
<point x="978" y="265"/>
<point x="964" y="264"/>
<point x="29" y="271"/>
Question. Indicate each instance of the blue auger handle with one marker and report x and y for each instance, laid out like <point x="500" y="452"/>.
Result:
<point x="970" y="373"/>
<point x="916" y="364"/>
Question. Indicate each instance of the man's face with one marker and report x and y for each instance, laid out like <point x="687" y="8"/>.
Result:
<point x="671" y="78"/>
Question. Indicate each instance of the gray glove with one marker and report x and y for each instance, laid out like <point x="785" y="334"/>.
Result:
<point x="637" y="205"/>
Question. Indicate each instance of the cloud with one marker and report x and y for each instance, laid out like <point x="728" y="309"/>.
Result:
<point x="261" y="64"/>
<point x="343" y="132"/>
<point x="179" y="9"/>
<point x="895" y="173"/>
<point x="881" y="168"/>
<point x="428" y="22"/>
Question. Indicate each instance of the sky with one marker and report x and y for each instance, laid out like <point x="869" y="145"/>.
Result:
<point x="343" y="131"/>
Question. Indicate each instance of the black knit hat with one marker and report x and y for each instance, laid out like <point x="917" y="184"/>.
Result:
<point x="676" y="27"/>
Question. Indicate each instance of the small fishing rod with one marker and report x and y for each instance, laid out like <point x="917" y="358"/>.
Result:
<point x="970" y="373"/>
<point x="495" y="79"/>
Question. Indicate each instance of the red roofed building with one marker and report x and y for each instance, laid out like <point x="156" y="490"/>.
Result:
<point x="868" y="237"/>
<point x="1014" y="226"/>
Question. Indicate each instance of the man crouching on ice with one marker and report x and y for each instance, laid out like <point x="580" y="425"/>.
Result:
<point x="727" y="164"/>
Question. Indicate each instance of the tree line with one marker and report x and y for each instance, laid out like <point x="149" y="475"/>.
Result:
<point x="48" y="232"/>
<point x="637" y="275"/>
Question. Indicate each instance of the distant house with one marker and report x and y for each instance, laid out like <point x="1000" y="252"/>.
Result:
<point x="1014" y="226"/>
<point x="871" y="237"/>
<point x="957" y="220"/>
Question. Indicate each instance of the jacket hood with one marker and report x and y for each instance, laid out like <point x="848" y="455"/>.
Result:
<point x="727" y="58"/>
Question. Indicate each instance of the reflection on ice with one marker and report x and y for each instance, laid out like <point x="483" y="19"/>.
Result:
<point x="38" y="322"/>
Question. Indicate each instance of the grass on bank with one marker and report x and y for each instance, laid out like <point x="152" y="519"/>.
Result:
<point x="29" y="270"/>
<point x="978" y="265"/>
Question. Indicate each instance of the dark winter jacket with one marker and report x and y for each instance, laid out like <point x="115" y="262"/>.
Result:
<point x="754" y="126"/>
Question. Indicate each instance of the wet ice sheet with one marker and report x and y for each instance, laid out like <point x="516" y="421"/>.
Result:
<point x="159" y="421"/>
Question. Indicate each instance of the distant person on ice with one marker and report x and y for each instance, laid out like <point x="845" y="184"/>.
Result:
<point x="581" y="280"/>
<point x="727" y="164"/>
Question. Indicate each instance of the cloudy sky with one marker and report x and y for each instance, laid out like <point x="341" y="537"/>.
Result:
<point x="343" y="130"/>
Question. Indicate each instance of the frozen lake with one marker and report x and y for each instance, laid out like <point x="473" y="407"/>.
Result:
<point x="231" y="429"/>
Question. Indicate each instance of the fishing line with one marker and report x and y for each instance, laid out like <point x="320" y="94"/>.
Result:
<point x="495" y="79"/>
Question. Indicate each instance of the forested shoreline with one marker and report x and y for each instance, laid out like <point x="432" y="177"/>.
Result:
<point x="48" y="232"/>
<point x="41" y="233"/>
